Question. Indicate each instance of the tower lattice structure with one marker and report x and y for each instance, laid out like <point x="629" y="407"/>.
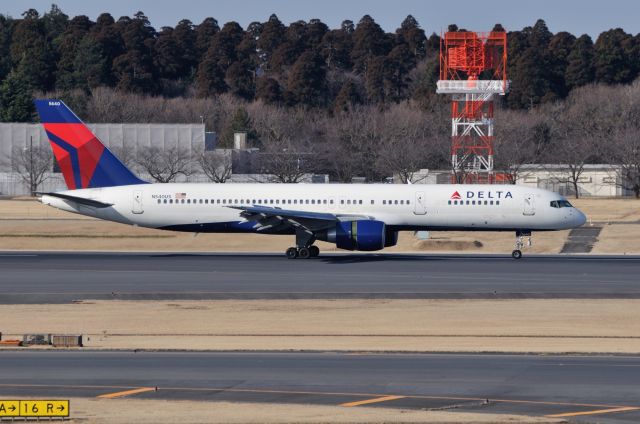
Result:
<point x="472" y="71"/>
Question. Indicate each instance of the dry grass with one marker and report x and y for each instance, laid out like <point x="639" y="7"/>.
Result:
<point x="548" y="326"/>
<point x="151" y="411"/>
<point x="28" y="225"/>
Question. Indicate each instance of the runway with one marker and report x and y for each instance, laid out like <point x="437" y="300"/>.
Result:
<point x="63" y="277"/>
<point x="574" y="387"/>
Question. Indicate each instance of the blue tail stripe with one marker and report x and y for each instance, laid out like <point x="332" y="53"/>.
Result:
<point x="73" y="153"/>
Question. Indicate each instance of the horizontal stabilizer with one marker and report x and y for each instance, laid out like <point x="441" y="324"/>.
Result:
<point x="79" y="200"/>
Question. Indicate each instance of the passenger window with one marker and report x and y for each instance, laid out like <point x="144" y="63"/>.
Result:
<point x="491" y="202"/>
<point x="295" y="201"/>
<point x="467" y="202"/>
<point x="360" y="202"/>
<point x="342" y="202"/>
<point x="306" y="201"/>
<point x="384" y="202"/>
<point x="372" y="202"/>
<point x="182" y="201"/>
<point x="473" y="202"/>
<point x="170" y="200"/>
<point x="324" y="202"/>
<point x="485" y="202"/>
<point x="497" y="202"/>
<point x="331" y="201"/>
<point x="159" y="201"/>
<point x="449" y="201"/>
<point x="313" y="201"/>
<point x="407" y="202"/>
<point x="395" y="203"/>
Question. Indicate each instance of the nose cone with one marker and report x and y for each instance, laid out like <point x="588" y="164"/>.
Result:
<point x="579" y="218"/>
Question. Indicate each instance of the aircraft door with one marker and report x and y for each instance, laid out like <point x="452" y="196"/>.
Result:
<point x="137" y="202"/>
<point x="529" y="205"/>
<point x="420" y="204"/>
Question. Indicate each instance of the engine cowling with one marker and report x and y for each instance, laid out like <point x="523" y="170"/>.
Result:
<point x="367" y="235"/>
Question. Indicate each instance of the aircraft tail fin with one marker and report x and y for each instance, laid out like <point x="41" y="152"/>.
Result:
<point x="84" y="161"/>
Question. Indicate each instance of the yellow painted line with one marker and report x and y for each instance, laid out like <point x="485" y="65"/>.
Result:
<point x="374" y="400"/>
<point x="597" y="411"/>
<point x="126" y="393"/>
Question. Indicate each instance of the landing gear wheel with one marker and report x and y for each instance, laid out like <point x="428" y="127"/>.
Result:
<point x="292" y="253"/>
<point x="304" y="253"/>
<point x="314" y="251"/>
<point x="516" y="254"/>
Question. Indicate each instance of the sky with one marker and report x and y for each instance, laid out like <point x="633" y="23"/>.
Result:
<point x="577" y="17"/>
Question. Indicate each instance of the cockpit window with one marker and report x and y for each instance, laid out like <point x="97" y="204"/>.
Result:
<point x="560" y="204"/>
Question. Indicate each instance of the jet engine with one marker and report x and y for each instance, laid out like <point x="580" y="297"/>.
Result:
<point x="365" y="235"/>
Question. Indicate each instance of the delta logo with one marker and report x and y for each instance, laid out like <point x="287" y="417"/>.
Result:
<point x="483" y="194"/>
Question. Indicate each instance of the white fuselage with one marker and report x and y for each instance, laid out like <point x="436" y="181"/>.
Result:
<point x="205" y="207"/>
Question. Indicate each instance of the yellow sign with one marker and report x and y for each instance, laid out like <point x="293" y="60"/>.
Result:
<point x="34" y="408"/>
<point x="9" y="408"/>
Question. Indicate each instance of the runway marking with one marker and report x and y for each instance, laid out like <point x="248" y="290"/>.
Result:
<point x="597" y="411"/>
<point x="126" y="393"/>
<point x="302" y="392"/>
<point x="374" y="400"/>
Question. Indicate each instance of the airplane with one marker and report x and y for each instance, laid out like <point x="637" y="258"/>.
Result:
<point x="356" y="217"/>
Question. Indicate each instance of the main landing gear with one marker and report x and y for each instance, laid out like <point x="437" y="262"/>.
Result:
<point x="520" y="243"/>
<point x="303" y="252"/>
<point x="304" y="246"/>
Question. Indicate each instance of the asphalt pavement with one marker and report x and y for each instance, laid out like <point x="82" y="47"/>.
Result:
<point x="577" y="388"/>
<point x="59" y="277"/>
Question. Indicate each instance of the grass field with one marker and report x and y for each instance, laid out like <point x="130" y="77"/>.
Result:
<point x="25" y="224"/>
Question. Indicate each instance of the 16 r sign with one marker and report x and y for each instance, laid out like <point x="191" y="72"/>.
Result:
<point x="34" y="408"/>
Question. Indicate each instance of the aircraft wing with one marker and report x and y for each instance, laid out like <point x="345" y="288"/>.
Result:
<point x="279" y="219"/>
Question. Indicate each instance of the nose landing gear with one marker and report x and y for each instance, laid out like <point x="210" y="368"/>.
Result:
<point x="520" y="243"/>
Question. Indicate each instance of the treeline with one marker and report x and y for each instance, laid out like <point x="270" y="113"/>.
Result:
<point x="303" y="64"/>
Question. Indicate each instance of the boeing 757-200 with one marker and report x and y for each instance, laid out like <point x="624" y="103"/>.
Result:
<point x="365" y="217"/>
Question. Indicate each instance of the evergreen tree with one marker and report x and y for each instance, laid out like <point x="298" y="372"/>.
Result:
<point x="347" y="97"/>
<point x="399" y="62"/>
<point x="241" y="122"/>
<point x="16" y="102"/>
<point x="32" y="52"/>
<point x="204" y="35"/>
<point x="377" y="72"/>
<point x="413" y="36"/>
<point x="6" y="29"/>
<point x="560" y="46"/>
<point x="210" y="75"/>
<point x="369" y="41"/>
<point x="268" y="90"/>
<point x="580" y="70"/>
<point x="107" y="35"/>
<point x="90" y="65"/>
<point x="336" y="47"/>
<point x="270" y="38"/>
<point x="135" y="69"/>
<point x="168" y="56"/>
<point x="612" y="60"/>
<point x="67" y="48"/>
<point x="239" y="79"/>
<point x="306" y="84"/>
<point x="184" y="36"/>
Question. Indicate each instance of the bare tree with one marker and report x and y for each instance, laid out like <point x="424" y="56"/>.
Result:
<point x="625" y="154"/>
<point x="32" y="163"/>
<point x="216" y="165"/>
<point x="126" y="154"/>
<point x="286" y="161"/>
<point x="164" y="166"/>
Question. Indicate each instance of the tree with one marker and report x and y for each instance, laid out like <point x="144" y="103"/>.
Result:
<point x="369" y="41"/>
<point x="287" y="161"/>
<point x="306" y="84"/>
<point x="204" y="34"/>
<point x="108" y="37"/>
<point x="625" y="154"/>
<point x="580" y="70"/>
<point x="268" y="90"/>
<point x="165" y="165"/>
<point x="336" y="46"/>
<point x="134" y="68"/>
<point x="240" y="80"/>
<point x="560" y="46"/>
<point x="241" y="122"/>
<point x="216" y="165"/>
<point x="413" y="36"/>
<point x="32" y="53"/>
<point x="16" y="101"/>
<point x="32" y="163"/>
<point x="270" y="38"/>
<point x="613" y="63"/>
<point x="67" y="47"/>
<point x="347" y="97"/>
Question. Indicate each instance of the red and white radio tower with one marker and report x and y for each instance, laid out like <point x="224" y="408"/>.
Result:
<point x="465" y="58"/>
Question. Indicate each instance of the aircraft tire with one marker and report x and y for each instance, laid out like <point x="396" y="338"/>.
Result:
<point x="304" y="253"/>
<point x="292" y="253"/>
<point x="516" y="254"/>
<point x="314" y="251"/>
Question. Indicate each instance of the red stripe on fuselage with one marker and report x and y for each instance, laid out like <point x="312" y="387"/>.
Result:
<point x="88" y="147"/>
